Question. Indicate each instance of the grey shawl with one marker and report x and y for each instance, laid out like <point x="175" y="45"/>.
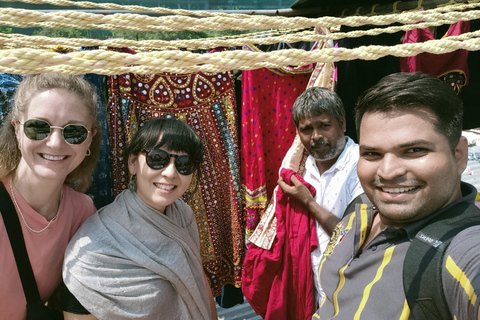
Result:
<point x="130" y="261"/>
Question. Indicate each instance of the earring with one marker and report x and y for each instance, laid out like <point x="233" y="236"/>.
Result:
<point x="132" y="183"/>
<point x="88" y="153"/>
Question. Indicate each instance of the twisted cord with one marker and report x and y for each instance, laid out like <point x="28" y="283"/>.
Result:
<point x="26" y="61"/>
<point x="82" y="20"/>
<point x="26" y="54"/>
<point x="133" y="8"/>
<point x="22" y="41"/>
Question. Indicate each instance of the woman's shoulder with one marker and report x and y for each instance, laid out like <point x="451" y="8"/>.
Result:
<point x="76" y="197"/>
<point x="78" y="205"/>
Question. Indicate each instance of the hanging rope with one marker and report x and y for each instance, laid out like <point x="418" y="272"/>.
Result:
<point x="22" y="54"/>
<point x="136" y="22"/>
<point x="27" y="61"/>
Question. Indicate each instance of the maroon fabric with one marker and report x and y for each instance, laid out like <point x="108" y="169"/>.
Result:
<point x="437" y="64"/>
<point x="278" y="283"/>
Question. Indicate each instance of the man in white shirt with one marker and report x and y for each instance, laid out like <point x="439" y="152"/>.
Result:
<point x="319" y="117"/>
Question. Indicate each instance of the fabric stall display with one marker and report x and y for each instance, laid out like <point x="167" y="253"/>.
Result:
<point x="207" y="103"/>
<point x="267" y="132"/>
<point x="278" y="283"/>
<point x="8" y="86"/>
<point x="271" y="263"/>
<point x="101" y="189"/>
<point x="452" y="67"/>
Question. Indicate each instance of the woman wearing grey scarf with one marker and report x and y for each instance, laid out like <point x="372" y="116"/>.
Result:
<point x="139" y="257"/>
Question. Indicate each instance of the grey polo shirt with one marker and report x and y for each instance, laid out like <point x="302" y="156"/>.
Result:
<point x="368" y="284"/>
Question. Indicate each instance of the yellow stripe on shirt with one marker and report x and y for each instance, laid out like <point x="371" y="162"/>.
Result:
<point x="342" y="277"/>
<point x="405" y="312"/>
<point x="366" y="293"/>
<point x="363" y="224"/>
<point x="461" y="277"/>
<point x="340" y="286"/>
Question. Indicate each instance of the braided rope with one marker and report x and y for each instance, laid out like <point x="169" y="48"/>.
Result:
<point x="27" y="61"/>
<point x="22" y="41"/>
<point x="113" y="6"/>
<point x="160" y="10"/>
<point x="74" y="19"/>
<point x="25" y="54"/>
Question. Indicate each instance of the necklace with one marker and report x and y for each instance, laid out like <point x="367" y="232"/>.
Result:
<point x="23" y="218"/>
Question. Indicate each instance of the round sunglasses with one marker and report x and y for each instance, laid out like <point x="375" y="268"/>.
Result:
<point x="39" y="130"/>
<point x="158" y="159"/>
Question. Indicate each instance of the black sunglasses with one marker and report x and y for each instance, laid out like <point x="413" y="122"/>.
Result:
<point x="39" y="130"/>
<point x="158" y="159"/>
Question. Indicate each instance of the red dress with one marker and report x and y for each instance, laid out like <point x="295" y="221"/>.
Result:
<point x="450" y="67"/>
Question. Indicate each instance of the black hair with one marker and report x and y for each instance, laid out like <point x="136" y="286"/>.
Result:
<point x="403" y="91"/>
<point x="170" y="134"/>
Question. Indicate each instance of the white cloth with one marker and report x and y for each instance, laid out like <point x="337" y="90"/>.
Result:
<point x="130" y="261"/>
<point x="335" y="189"/>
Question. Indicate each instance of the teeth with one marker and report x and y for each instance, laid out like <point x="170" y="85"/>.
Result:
<point x="54" y="158"/>
<point x="398" y="190"/>
<point x="164" y="187"/>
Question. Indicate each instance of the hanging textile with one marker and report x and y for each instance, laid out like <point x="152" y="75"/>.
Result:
<point x="452" y="67"/>
<point x="267" y="134"/>
<point x="8" y="87"/>
<point x="322" y="76"/>
<point x="101" y="189"/>
<point x="278" y="277"/>
<point x="207" y="103"/>
<point x="267" y="128"/>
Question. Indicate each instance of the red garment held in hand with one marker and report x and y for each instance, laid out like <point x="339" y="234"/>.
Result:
<point x="278" y="283"/>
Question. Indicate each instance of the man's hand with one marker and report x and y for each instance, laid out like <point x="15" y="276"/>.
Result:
<point x="298" y="191"/>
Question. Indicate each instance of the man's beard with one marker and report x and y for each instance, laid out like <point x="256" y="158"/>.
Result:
<point x="329" y="153"/>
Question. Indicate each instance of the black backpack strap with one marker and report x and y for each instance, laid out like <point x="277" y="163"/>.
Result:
<point x="422" y="268"/>
<point x="362" y="198"/>
<point x="14" y="231"/>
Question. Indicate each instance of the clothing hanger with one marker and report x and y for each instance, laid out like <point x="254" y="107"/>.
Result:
<point x="373" y="13"/>
<point x="419" y="5"/>
<point x="395" y="4"/>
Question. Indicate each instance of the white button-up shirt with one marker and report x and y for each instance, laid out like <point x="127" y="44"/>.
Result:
<point x="335" y="188"/>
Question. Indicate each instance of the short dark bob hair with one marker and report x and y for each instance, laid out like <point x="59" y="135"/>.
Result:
<point x="169" y="134"/>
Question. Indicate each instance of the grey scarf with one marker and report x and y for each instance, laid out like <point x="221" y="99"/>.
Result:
<point x="130" y="261"/>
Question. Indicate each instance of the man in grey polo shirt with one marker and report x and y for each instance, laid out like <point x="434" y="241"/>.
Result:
<point x="412" y="156"/>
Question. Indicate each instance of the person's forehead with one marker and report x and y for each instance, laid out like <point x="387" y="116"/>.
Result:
<point x="397" y="114"/>
<point x="399" y="127"/>
<point x="312" y="118"/>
